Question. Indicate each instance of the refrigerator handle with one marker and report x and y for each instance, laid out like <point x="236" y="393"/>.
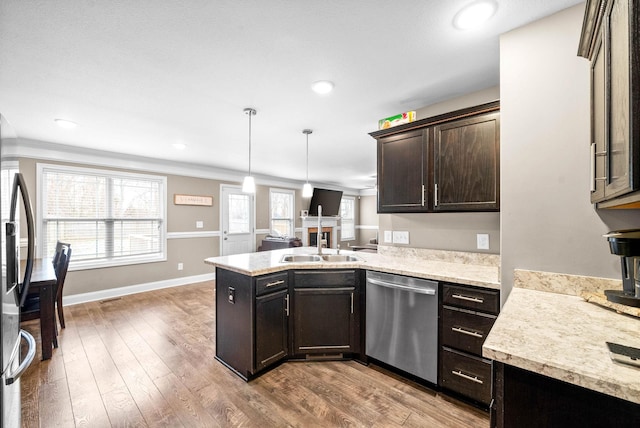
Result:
<point x="12" y="377"/>
<point x="19" y="183"/>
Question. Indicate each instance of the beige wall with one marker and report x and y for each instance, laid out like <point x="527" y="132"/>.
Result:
<point x="548" y="223"/>
<point x="447" y="231"/>
<point x="367" y="217"/>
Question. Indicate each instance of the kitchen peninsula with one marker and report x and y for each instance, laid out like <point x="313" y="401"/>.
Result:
<point x="268" y="310"/>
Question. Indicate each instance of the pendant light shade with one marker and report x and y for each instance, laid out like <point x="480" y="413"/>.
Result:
<point x="249" y="184"/>
<point x="307" y="189"/>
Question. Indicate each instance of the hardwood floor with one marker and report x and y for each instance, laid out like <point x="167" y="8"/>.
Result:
<point x="148" y="360"/>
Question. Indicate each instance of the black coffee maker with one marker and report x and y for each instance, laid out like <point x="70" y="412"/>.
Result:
<point x="626" y="244"/>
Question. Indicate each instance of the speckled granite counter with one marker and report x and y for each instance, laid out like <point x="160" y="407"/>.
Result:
<point x="411" y="264"/>
<point x="563" y="337"/>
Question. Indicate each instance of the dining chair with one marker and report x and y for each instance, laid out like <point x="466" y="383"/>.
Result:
<point x="34" y="304"/>
<point x="61" y="273"/>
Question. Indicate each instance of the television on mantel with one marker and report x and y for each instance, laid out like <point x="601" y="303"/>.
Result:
<point x="329" y="199"/>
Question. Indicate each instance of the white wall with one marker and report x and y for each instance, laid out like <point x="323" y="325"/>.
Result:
<point x="547" y="221"/>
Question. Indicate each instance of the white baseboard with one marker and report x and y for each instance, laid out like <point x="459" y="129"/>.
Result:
<point x="111" y="293"/>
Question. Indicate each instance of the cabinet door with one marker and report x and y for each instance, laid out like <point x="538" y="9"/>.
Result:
<point x="402" y="172"/>
<point x="617" y="32"/>
<point x="466" y="164"/>
<point x="324" y="320"/>
<point x="598" y="124"/>
<point x="271" y="328"/>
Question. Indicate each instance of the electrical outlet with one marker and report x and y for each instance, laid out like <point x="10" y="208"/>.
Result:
<point x="199" y="224"/>
<point x="400" y="237"/>
<point x="180" y="266"/>
<point x="388" y="239"/>
<point x="482" y="241"/>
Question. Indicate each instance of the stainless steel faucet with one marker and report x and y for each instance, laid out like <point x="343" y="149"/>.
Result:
<point x="320" y="229"/>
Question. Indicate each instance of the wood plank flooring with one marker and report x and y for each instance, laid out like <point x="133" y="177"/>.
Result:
<point x="148" y="360"/>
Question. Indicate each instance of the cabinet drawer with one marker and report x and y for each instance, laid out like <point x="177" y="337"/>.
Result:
<point x="465" y="330"/>
<point x="465" y="374"/>
<point x="270" y="283"/>
<point x="471" y="298"/>
<point x="325" y="278"/>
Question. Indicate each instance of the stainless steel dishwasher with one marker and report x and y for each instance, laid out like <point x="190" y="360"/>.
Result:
<point x="402" y="323"/>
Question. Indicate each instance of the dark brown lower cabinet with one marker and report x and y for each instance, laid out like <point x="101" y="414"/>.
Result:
<point x="324" y="320"/>
<point x="272" y="328"/>
<point x="263" y="320"/>
<point x="466" y="317"/>
<point x="525" y="399"/>
<point x="326" y="305"/>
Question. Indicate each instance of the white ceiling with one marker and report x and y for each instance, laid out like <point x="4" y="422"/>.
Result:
<point x="140" y="75"/>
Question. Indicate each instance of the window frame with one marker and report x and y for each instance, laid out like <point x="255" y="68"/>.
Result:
<point x="351" y="220"/>
<point x="42" y="168"/>
<point x="292" y="219"/>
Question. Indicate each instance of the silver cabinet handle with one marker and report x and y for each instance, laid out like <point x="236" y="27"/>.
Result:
<point x="467" y="298"/>
<point x="12" y="377"/>
<point x="286" y="309"/>
<point x="274" y="283"/>
<point x="423" y="195"/>
<point x="467" y="377"/>
<point x="435" y="195"/>
<point x="352" y="302"/>
<point x="467" y="332"/>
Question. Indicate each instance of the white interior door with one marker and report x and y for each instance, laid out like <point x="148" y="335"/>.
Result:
<point x="238" y="221"/>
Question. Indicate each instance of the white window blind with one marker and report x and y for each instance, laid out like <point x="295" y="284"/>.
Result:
<point x="108" y="217"/>
<point x="281" y="204"/>
<point x="348" y="221"/>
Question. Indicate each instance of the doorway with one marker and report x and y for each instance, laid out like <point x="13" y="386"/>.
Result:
<point x="237" y="220"/>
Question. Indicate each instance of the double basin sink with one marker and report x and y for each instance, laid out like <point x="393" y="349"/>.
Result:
<point x="331" y="258"/>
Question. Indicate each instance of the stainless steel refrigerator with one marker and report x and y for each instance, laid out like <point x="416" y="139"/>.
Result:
<point x="15" y="284"/>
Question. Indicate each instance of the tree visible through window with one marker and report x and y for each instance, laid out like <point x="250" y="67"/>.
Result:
<point x="348" y="221"/>
<point x="281" y="203"/>
<point x="108" y="217"/>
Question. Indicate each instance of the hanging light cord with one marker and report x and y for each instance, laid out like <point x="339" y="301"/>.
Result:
<point x="307" y="158"/>
<point x="250" y="112"/>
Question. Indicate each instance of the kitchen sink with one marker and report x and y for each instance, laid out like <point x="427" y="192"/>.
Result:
<point x="340" y="258"/>
<point x="331" y="258"/>
<point x="299" y="258"/>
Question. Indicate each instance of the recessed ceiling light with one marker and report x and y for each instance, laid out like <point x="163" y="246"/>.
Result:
<point x="322" y="87"/>
<point x="179" y="146"/>
<point x="63" y="123"/>
<point x="475" y="14"/>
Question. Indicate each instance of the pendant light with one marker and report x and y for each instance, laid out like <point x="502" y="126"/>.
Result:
<point x="307" y="190"/>
<point x="249" y="184"/>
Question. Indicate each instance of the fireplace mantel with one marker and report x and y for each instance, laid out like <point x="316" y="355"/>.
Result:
<point x="312" y="222"/>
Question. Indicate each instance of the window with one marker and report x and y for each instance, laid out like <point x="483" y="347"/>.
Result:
<point x="110" y="218"/>
<point x="281" y="206"/>
<point x="348" y="215"/>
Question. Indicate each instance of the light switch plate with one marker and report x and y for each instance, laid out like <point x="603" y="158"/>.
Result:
<point x="388" y="239"/>
<point x="199" y="224"/>
<point x="400" y="237"/>
<point x="482" y="241"/>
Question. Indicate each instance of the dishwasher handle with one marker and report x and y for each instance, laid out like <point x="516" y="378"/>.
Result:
<point x="419" y="290"/>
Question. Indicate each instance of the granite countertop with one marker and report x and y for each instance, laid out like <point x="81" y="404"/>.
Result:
<point x="410" y="264"/>
<point x="564" y="337"/>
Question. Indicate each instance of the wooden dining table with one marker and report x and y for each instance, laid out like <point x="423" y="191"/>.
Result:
<point x="43" y="282"/>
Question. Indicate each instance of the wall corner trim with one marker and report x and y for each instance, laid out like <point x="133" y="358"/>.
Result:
<point x="111" y="293"/>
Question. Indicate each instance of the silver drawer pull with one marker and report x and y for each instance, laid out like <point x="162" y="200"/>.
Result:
<point x="467" y="377"/>
<point x="467" y="332"/>
<point x="271" y="284"/>
<point x="467" y="298"/>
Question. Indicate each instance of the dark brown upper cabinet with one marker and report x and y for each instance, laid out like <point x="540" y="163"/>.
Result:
<point x="609" y="40"/>
<point x="449" y="162"/>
